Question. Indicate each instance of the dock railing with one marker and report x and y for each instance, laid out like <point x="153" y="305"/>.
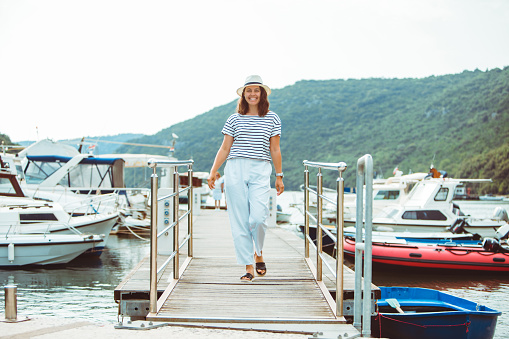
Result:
<point x="337" y="272"/>
<point x="364" y="178"/>
<point x="155" y="233"/>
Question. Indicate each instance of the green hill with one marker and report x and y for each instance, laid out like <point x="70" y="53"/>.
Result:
<point x="459" y="122"/>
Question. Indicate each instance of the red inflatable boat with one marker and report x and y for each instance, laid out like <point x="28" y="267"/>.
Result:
<point x="434" y="255"/>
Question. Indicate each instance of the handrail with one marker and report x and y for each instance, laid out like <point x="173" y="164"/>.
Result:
<point x="364" y="177"/>
<point x="340" y="188"/>
<point x="154" y="235"/>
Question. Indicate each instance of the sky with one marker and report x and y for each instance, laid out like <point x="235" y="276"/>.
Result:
<point x="72" y="68"/>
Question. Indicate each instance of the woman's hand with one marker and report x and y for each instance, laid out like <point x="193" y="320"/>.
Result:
<point x="221" y="156"/>
<point x="212" y="180"/>
<point x="280" y="187"/>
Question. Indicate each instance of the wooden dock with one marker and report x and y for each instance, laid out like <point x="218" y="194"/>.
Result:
<point x="210" y="293"/>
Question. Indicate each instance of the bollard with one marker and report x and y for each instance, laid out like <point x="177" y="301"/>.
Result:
<point x="11" y="305"/>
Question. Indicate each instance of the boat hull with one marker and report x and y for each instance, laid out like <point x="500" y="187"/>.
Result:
<point x="98" y="224"/>
<point x="48" y="249"/>
<point x="432" y="314"/>
<point x="436" y="256"/>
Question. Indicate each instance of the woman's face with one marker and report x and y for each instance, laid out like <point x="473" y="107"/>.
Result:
<point x="252" y="94"/>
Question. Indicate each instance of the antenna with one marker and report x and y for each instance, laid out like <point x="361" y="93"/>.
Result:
<point x="433" y="161"/>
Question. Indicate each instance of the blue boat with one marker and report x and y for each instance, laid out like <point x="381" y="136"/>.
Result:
<point x="409" y="312"/>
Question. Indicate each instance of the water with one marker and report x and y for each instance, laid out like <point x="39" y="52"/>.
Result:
<point x="84" y="288"/>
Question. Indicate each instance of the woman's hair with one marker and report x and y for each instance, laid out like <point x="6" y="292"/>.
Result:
<point x="263" y="105"/>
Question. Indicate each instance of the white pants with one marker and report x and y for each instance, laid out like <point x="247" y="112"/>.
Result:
<point x="247" y="186"/>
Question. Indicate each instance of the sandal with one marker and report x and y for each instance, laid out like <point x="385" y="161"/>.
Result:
<point x="248" y="277"/>
<point x="261" y="268"/>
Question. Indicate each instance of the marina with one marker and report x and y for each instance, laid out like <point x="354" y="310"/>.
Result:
<point x="136" y="172"/>
<point x="291" y="285"/>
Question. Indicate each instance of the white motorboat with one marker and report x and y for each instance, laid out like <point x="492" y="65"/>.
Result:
<point x="491" y="197"/>
<point x="281" y="216"/>
<point x="27" y="216"/>
<point x="45" y="248"/>
<point x="23" y="215"/>
<point x="386" y="192"/>
<point x="429" y="209"/>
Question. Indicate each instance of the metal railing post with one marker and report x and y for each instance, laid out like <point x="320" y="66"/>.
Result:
<point x="176" y="265"/>
<point x="153" y="240"/>
<point x="357" y="316"/>
<point x="340" y="218"/>
<point x="319" y="232"/>
<point x="368" y="228"/>
<point x="306" y="210"/>
<point x="190" y="198"/>
<point x="363" y="311"/>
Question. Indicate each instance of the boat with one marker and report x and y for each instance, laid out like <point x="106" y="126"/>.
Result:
<point x="411" y="312"/>
<point x="46" y="248"/>
<point x="282" y="217"/>
<point x="20" y="214"/>
<point x="28" y="216"/>
<point x="329" y="244"/>
<point x="491" y="197"/>
<point x="386" y="192"/>
<point x="437" y="252"/>
<point x="429" y="208"/>
<point x="392" y="191"/>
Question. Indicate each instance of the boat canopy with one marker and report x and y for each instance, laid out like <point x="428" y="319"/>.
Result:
<point x="59" y="158"/>
<point x="79" y="171"/>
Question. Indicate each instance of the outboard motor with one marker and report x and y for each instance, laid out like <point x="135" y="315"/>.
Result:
<point x="502" y="232"/>
<point x="493" y="245"/>
<point x="458" y="226"/>
<point x="456" y="210"/>
<point x="500" y="213"/>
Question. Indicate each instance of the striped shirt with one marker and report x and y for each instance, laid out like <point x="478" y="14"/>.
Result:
<point x="251" y="135"/>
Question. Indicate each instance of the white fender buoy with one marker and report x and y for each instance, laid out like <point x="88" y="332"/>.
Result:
<point x="10" y="252"/>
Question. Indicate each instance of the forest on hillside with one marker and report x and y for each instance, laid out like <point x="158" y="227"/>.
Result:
<point x="5" y="140"/>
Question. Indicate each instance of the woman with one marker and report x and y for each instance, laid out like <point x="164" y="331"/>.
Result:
<point x="251" y="140"/>
<point x="217" y="192"/>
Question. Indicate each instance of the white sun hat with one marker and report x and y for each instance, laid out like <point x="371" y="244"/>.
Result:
<point x="253" y="80"/>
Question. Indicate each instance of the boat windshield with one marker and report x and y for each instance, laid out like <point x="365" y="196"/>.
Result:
<point x="424" y="215"/>
<point x="442" y="194"/>
<point x="6" y="186"/>
<point x="386" y="195"/>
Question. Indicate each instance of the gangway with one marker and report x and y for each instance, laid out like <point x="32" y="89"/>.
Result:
<point x="202" y="286"/>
